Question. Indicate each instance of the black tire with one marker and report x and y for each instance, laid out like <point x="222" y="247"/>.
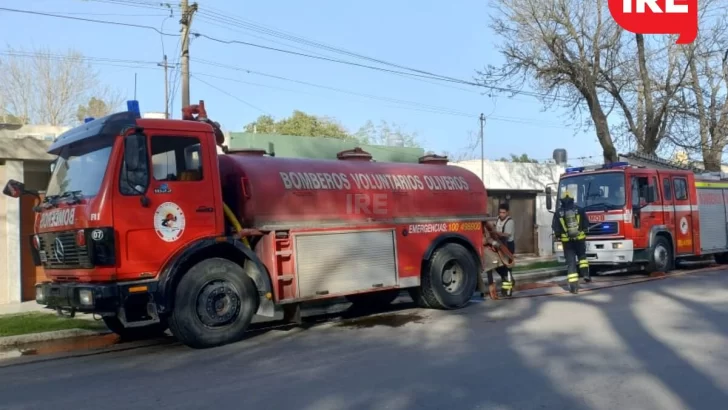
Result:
<point x="373" y="300"/>
<point x="215" y="301"/>
<point x="449" y="279"/>
<point x="661" y="259"/>
<point x="135" y="333"/>
<point x="721" y="258"/>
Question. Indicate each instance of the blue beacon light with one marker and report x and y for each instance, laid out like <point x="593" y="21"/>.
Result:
<point x="88" y="119"/>
<point x="133" y="106"/>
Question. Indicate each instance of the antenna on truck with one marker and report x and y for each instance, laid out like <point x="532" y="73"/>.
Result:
<point x="197" y="112"/>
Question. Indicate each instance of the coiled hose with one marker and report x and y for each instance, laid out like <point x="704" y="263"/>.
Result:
<point x="498" y="247"/>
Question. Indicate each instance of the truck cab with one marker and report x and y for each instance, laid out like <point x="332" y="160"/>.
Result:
<point x="634" y="214"/>
<point x="127" y="198"/>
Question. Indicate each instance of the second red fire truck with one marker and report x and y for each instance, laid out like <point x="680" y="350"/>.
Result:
<point x="648" y="216"/>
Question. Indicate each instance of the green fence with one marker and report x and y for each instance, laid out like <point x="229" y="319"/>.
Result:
<point x="317" y="147"/>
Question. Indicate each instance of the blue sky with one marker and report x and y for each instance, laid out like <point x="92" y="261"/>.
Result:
<point x="446" y="38"/>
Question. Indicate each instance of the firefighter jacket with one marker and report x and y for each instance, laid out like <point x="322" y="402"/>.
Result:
<point x="572" y="217"/>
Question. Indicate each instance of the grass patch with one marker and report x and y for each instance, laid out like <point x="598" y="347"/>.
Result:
<point x="536" y="265"/>
<point x="25" y="323"/>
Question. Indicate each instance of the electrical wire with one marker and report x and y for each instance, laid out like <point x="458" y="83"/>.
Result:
<point x="229" y="95"/>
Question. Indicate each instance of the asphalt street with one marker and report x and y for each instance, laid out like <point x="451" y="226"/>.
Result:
<point x="654" y="345"/>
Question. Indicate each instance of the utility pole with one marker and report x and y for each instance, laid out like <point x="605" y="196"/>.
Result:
<point x="186" y="23"/>
<point x="482" y="148"/>
<point x="166" y="87"/>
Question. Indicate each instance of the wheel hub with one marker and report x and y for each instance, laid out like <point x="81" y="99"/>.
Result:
<point x="452" y="277"/>
<point x="661" y="256"/>
<point x="218" y="304"/>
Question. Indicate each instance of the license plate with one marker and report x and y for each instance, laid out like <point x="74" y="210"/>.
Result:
<point x="43" y="257"/>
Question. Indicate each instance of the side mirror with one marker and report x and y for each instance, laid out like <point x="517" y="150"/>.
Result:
<point x="133" y="153"/>
<point x="52" y="166"/>
<point x="651" y="195"/>
<point x="549" y="200"/>
<point x="14" y="189"/>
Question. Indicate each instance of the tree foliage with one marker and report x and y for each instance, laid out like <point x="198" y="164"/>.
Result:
<point x="575" y="54"/>
<point x="95" y="108"/>
<point x="386" y="134"/>
<point x="307" y="125"/>
<point x="45" y="88"/>
<point x="523" y="158"/>
<point x="301" y="124"/>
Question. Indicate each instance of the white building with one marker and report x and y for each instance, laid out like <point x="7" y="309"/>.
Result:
<point x="522" y="186"/>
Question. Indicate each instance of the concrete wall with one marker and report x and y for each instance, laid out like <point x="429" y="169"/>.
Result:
<point x="42" y="132"/>
<point x="518" y="176"/>
<point x="10" y="280"/>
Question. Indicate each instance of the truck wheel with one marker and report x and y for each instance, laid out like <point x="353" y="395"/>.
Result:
<point x="449" y="279"/>
<point x="721" y="258"/>
<point x="660" y="256"/>
<point x="135" y="333"/>
<point x="215" y="301"/>
<point x="374" y="300"/>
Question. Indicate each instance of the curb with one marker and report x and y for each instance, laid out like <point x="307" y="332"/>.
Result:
<point x="10" y="341"/>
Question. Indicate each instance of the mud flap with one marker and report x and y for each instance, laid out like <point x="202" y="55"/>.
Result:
<point x="266" y="307"/>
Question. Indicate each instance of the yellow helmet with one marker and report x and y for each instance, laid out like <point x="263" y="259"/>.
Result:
<point x="565" y="195"/>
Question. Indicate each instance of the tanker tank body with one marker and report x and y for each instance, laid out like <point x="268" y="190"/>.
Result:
<point x="361" y="229"/>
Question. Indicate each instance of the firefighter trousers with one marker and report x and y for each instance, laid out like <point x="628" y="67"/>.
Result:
<point x="507" y="281"/>
<point x="576" y="263"/>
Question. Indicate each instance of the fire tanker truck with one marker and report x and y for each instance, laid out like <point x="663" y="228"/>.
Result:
<point x="145" y="224"/>
<point x="648" y="217"/>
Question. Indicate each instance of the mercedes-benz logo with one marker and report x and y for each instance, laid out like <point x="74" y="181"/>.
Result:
<point x="58" y="252"/>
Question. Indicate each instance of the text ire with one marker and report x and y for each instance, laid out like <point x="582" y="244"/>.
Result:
<point x="670" y="6"/>
<point x="366" y="204"/>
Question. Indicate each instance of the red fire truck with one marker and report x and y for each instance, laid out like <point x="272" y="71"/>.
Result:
<point x="648" y="217"/>
<point x="146" y="225"/>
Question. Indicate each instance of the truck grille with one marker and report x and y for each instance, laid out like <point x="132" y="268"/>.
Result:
<point x="603" y="228"/>
<point x="61" y="251"/>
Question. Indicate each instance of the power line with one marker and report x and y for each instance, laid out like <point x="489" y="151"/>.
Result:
<point x="405" y="104"/>
<point x="89" y="20"/>
<point x="230" y="95"/>
<point x="351" y="63"/>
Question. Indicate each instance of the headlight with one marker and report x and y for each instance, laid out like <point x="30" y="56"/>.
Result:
<point x="39" y="296"/>
<point x="86" y="297"/>
<point x="616" y="245"/>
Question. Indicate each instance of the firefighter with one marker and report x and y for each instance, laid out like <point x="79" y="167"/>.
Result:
<point x="570" y="224"/>
<point x="505" y="231"/>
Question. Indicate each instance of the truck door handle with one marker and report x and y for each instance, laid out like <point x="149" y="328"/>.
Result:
<point x="205" y="209"/>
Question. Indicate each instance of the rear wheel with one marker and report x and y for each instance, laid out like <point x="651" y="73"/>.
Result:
<point x="215" y="301"/>
<point x="449" y="278"/>
<point x="135" y="333"/>
<point x="660" y="256"/>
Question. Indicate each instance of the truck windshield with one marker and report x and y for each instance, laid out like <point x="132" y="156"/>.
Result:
<point x="593" y="192"/>
<point x="79" y="170"/>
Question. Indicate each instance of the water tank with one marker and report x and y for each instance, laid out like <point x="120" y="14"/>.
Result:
<point x="560" y="156"/>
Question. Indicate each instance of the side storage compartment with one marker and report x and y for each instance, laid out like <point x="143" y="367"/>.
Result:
<point x="343" y="262"/>
<point x="713" y="219"/>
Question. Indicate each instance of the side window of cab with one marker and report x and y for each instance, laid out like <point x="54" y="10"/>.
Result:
<point x="176" y="158"/>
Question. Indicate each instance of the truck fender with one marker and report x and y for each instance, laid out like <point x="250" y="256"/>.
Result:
<point x="455" y="238"/>
<point x="653" y="236"/>
<point x="253" y="266"/>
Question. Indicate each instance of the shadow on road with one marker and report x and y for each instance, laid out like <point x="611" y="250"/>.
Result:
<point x="626" y="347"/>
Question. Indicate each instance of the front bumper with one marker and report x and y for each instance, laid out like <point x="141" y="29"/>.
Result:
<point x="90" y="297"/>
<point x="603" y="252"/>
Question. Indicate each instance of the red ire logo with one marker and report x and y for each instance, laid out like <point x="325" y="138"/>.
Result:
<point x="658" y="17"/>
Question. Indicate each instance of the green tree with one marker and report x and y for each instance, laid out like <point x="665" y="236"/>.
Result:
<point x="95" y="108"/>
<point x="301" y="124"/>
<point x="519" y="158"/>
<point x="387" y="134"/>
